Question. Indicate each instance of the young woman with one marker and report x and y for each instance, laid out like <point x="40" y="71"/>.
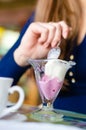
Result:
<point x="73" y="95"/>
<point x="47" y="15"/>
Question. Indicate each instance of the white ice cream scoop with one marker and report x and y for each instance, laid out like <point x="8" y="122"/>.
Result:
<point x="55" y="68"/>
<point x="58" y="68"/>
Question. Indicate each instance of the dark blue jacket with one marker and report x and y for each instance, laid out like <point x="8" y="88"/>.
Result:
<point x="75" y="98"/>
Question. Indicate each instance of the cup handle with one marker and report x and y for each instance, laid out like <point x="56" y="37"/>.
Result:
<point x="19" y="102"/>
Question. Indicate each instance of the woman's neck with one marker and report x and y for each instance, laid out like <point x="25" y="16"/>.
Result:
<point x="83" y="6"/>
<point x="82" y="30"/>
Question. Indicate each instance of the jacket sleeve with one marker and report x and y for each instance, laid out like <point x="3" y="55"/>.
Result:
<point x="8" y="67"/>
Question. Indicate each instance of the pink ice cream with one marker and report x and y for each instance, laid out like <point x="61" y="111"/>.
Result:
<point x="50" y="87"/>
<point x="53" y="78"/>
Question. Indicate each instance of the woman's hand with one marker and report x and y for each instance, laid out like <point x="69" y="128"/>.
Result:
<point x="39" y="39"/>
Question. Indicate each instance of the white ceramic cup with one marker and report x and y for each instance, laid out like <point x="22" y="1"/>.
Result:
<point x="5" y="89"/>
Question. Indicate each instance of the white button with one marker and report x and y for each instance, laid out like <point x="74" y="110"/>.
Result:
<point x="71" y="57"/>
<point x="70" y="73"/>
<point x="73" y="80"/>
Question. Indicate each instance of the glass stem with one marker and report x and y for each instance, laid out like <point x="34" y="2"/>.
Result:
<point x="48" y="106"/>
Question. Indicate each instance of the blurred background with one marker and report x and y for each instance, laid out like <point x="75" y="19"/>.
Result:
<point x="13" y="15"/>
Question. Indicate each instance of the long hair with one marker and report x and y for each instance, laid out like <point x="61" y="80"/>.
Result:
<point x="58" y="10"/>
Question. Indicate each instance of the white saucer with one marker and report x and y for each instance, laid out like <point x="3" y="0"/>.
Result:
<point x="13" y="116"/>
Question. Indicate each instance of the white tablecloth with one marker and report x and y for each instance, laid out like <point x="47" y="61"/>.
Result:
<point x="14" y="125"/>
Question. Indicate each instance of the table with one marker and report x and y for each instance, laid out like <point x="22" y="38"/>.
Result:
<point x="69" y="119"/>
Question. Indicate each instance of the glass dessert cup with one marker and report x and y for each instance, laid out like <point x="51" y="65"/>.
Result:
<point x="49" y="74"/>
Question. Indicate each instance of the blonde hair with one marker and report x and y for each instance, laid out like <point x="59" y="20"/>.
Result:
<point x="57" y="10"/>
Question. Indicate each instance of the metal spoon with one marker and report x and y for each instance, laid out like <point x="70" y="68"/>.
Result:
<point x="54" y="53"/>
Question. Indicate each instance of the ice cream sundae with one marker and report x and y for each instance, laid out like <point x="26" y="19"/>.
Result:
<point x="53" y="78"/>
<point x="49" y="75"/>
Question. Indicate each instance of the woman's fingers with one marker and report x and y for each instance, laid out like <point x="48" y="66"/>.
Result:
<point x="37" y="32"/>
<point x="65" y="29"/>
<point x="57" y="35"/>
<point x="56" y="31"/>
<point x="49" y="33"/>
<point x="62" y="31"/>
